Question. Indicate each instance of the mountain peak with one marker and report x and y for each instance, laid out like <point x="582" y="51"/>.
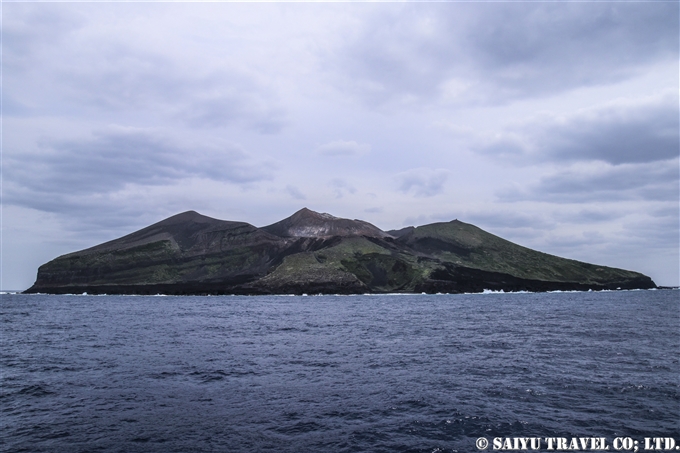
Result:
<point x="188" y="216"/>
<point x="306" y="213"/>
<point x="308" y="223"/>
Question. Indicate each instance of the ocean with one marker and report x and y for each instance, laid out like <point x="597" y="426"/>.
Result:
<point x="378" y="373"/>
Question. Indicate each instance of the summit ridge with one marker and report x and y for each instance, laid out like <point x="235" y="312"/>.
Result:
<point x="308" y="223"/>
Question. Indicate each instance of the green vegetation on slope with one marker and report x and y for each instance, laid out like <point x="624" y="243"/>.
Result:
<point x="466" y="245"/>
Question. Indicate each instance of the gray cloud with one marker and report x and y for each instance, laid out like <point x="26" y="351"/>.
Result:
<point x="507" y="219"/>
<point x="225" y="110"/>
<point x="139" y="80"/>
<point x="341" y="187"/>
<point x="657" y="181"/>
<point x="621" y="133"/>
<point x="423" y="182"/>
<point x="121" y="78"/>
<point x="492" y="53"/>
<point x="672" y="211"/>
<point x="557" y="46"/>
<point x="343" y="148"/>
<point x="127" y="76"/>
<point x="21" y="43"/>
<point x="660" y="232"/>
<point x="53" y="177"/>
<point x="295" y="192"/>
<point x="588" y="216"/>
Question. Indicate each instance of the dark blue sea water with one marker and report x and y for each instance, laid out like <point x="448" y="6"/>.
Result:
<point x="335" y="373"/>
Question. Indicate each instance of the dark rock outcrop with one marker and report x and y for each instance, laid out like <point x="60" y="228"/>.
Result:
<point x="311" y="252"/>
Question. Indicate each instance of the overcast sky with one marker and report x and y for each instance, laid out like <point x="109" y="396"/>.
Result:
<point x="554" y="125"/>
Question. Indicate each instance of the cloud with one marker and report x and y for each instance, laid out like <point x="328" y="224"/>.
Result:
<point x="343" y="148"/>
<point x="493" y="53"/>
<point x="423" y="182"/>
<point x="655" y="181"/>
<point x="341" y="187"/>
<point x="228" y="98"/>
<point x="295" y="192"/>
<point x="507" y="219"/>
<point x="128" y="72"/>
<point x="142" y="80"/>
<point x="21" y="43"/>
<point x="617" y="133"/>
<point x="589" y="215"/>
<point x="59" y="171"/>
<point x="655" y="231"/>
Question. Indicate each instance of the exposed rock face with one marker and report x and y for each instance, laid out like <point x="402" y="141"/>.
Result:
<point x="311" y="252"/>
<point x="306" y="223"/>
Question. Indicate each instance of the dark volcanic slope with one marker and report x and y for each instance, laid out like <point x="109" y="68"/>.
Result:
<point x="310" y="252"/>
<point x="182" y="231"/>
<point x="184" y="253"/>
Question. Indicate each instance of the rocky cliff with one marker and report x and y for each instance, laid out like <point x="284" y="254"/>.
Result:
<point x="311" y="252"/>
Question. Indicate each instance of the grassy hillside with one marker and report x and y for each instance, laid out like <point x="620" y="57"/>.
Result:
<point x="462" y="244"/>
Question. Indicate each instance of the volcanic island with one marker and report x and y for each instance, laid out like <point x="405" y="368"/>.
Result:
<point x="317" y="253"/>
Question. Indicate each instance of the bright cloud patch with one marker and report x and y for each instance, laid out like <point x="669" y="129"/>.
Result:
<point x="343" y="148"/>
<point x="423" y="182"/>
<point x="295" y="192"/>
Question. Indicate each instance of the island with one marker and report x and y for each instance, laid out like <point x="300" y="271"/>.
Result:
<point x="317" y="253"/>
